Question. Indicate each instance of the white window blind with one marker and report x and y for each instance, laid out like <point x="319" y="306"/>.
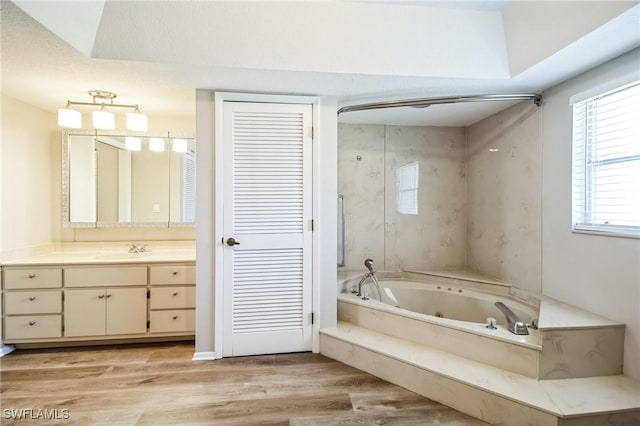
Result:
<point x="606" y="162"/>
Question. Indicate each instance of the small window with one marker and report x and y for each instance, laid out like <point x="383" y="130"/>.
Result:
<point x="606" y="162"/>
<point x="407" y="179"/>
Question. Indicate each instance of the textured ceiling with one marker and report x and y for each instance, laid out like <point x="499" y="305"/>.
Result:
<point x="158" y="59"/>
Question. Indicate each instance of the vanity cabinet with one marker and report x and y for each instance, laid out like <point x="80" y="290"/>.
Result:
<point x="104" y="312"/>
<point x="32" y="303"/>
<point x="91" y="302"/>
<point x="172" y="298"/>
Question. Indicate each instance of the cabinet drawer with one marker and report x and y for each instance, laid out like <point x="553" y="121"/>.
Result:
<point x="167" y="275"/>
<point x="32" y="278"/>
<point x="173" y="297"/>
<point x="105" y="276"/>
<point x="172" y="321"/>
<point x="32" y="327"/>
<point x="33" y="302"/>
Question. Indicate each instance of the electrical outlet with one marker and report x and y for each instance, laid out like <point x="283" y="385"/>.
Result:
<point x="156" y="208"/>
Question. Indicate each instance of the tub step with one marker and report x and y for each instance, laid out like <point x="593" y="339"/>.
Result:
<point x="485" y="392"/>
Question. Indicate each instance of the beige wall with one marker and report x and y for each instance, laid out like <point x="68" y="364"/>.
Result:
<point x="31" y="180"/>
<point x="504" y="196"/>
<point x="594" y="272"/>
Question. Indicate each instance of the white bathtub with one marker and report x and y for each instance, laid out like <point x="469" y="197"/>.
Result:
<point x="455" y="303"/>
<point x="448" y="318"/>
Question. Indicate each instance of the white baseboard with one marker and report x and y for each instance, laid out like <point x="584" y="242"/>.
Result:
<point x="204" y="356"/>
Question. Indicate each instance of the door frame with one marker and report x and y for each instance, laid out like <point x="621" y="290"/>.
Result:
<point x="218" y="246"/>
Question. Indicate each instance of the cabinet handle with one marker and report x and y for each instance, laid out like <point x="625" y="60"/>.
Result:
<point x="32" y="298"/>
<point x="101" y="296"/>
<point x="32" y="323"/>
<point x="174" y="273"/>
<point x="108" y="296"/>
<point x="32" y="275"/>
<point x="175" y="317"/>
<point x="175" y="294"/>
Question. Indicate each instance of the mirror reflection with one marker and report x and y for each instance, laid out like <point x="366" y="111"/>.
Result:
<point x="120" y="179"/>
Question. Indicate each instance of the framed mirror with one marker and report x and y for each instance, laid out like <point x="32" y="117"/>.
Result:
<point x="120" y="179"/>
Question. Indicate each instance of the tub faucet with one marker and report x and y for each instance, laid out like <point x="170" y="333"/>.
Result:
<point x="371" y="274"/>
<point x="514" y="324"/>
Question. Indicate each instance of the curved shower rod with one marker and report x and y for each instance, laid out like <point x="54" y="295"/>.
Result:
<point x="426" y="102"/>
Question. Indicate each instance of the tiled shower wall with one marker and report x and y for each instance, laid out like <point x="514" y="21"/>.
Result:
<point x="368" y="158"/>
<point x="504" y="196"/>
<point x="476" y="208"/>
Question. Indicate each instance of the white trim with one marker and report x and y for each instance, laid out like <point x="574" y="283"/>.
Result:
<point x="605" y="233"/>
<point x="620" y="81"/>
<point x="204" y="356"/>
<point x="219" y="98"/>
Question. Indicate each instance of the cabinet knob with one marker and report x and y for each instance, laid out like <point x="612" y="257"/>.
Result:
<point x="101" y="296"/>
<point x="175" y="317"/>
<point x="32" y="298"/>
<point x="174" y="273"/>
<point x="32" y="323"/>
<point x="175" y="294"/>
<point x="108" y="296"/>
<point x="32" y="275"/>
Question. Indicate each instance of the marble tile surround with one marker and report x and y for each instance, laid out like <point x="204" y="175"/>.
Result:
<point x="504" y="196"/>
<point x="581" y="353"/>
<point x="361" y="181"/>
<point x="405" y="367"/>
<point x="507" y="356"/>
<point x="477" y="209"/>
<point x="435" y="237"/>
<point x="494" y="395"/>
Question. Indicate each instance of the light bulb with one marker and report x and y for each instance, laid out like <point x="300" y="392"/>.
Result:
<point x="104" y="120"/>
<point x="180" y="145"/>
<point x="132" y="143"/>
<point x="156" y="144"/>
<point x="69" y="118"/>
<point x="137" y="121"/>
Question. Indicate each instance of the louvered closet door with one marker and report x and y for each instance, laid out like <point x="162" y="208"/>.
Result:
<point x="267" y="209"/>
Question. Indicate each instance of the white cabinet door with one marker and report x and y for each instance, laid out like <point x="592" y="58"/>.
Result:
<point x="267" y="209"/>
<point x="126" y="310"/>
<point x="100" y="312"/>
<point x="84" y="312"/>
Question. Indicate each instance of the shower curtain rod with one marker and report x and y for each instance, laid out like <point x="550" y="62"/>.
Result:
<point x="426" y="102"/>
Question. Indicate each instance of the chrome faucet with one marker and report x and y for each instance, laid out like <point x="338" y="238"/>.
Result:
<point x="514" y="324"/>
<point x="371" y="274"/>
<point x="134" y="248"/>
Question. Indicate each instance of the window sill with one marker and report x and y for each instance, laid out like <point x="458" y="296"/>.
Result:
<point x="606" y="233"/>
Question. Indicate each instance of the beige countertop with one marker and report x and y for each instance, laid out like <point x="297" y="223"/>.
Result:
<point x="97" y="253"/>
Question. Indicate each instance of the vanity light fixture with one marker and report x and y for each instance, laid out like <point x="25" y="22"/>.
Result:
<point x="102" y="119"/>
<point x="132" y="143"/>
<point x="179" y="145"/>
<point x="156" y="144"/>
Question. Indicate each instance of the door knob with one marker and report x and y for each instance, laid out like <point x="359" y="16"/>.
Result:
<point x="232" y="242"/>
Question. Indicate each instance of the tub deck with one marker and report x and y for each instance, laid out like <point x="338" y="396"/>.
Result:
<point x="575" y="379"/>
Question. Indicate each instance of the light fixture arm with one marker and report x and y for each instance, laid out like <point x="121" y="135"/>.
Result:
<point x="102" y="104"/>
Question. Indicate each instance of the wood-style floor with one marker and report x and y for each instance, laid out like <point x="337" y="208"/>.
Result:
<point x="158" y="384"/>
